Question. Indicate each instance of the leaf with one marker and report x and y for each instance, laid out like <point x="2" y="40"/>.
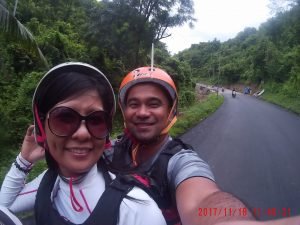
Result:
<point x="15" y="30"/>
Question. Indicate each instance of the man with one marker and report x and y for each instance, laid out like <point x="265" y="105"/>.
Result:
<point x="175" y="176"/>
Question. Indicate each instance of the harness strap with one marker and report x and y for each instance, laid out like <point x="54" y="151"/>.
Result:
<point x="158" y="173"/>
<point x="106" y="211"/>
<point x="108" y="207"/>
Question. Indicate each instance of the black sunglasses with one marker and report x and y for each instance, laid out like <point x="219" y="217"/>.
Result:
<point x="64" y="122"/>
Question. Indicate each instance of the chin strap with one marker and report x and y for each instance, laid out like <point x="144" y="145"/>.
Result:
<point x="134" y="155"/>
<point x="166" y="130"/>
<point x="40" y="137"/>
<point x="172" y="118"/>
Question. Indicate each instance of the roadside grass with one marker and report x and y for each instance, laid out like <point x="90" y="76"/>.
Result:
<point x="192" y="115"/>
<point x="287" y="102"/>
<point x="285" y="95"/>
<point x="7" y="153"/>
<point x="188" y="117"/>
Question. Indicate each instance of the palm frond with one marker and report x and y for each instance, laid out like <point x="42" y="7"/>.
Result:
<point x="12" y="27"/>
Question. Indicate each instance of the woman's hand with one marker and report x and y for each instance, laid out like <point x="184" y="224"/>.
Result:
<point x="30" y="150"/>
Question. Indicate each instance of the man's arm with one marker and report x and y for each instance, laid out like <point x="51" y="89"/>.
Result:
<point x="200" y="201"/>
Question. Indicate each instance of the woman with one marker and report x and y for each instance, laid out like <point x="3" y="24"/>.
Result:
<point x="73" y="107"/>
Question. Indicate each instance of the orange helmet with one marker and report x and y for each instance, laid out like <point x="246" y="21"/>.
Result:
<point x="151" y="75"/>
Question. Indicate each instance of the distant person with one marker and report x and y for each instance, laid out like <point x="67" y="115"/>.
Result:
<point x="233" y="93"/>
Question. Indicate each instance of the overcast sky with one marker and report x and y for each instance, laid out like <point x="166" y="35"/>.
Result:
<point x="220" y="19"/>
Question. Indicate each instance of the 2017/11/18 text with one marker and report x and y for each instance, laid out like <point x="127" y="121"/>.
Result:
<point x="243" y="212"/>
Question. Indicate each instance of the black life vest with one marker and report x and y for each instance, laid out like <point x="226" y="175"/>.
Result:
<point x="106" y="211"/>
<point x="152" y="180"/>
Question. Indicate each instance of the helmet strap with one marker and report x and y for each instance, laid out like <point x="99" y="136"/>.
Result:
<point x="134" y="154"/>
<point x="172" y="118"/>
<point x="40" y="136"/>
<point x="166" y="129"/>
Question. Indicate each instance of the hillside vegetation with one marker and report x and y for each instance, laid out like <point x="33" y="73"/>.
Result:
<point x="265" y="58"/>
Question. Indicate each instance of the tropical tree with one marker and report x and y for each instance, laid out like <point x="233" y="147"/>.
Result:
<point x="14" y="30"/>
<point x="128" y="27"/>
<point x="280" y="6"/>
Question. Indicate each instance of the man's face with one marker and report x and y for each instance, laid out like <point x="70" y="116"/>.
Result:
<point x="146" y="112"/>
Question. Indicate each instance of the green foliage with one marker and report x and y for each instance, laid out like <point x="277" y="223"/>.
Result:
<point x="285" y="96"/>
<point x="16" y="31"/>
<point x="38" y="168"/>
<point x="194" y="113"/>
<point x="186" y="98"/>
<point x="127" y="28"/>
<point x="62" y="43"/>
<point x="292" y="86"/>
<point x="17" y="113"/>
<point x="268" y="54"/>
<point x="8" y="152"/>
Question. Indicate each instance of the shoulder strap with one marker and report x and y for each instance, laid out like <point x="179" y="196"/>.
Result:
<point x="159" y="172"/>
<point x="45" y="214"/>
<point x="175" y="146"/>
<point x="8" y="218"/>
<point x="121" y="160"/>
<point x="107" y="209"/>
<point x="166" y="197"/>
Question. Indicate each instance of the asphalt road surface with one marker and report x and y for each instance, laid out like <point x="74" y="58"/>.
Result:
<point x="253" y="148"/>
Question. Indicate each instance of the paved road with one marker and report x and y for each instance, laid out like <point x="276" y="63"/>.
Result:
<point x="253" y="148"/>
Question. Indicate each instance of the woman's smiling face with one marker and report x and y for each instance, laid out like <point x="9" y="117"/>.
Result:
<point x="77" y="153"/>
